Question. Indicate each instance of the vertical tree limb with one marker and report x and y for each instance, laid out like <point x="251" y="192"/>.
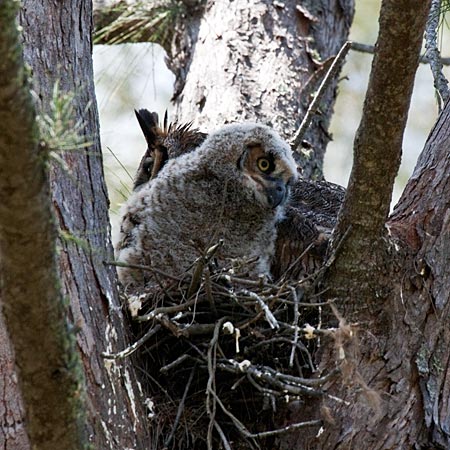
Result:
<point x="50" y="372"/>
<point x="378" y="142"/>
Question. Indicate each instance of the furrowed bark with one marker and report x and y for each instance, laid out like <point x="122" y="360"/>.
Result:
<point x="396" y="383"/>
<point x="229" y="81"/>
<point x="421" y="220"/>
<point x="378" y="143"/>
<point x="220" y="78"/>
<point x="57" y="46"/>
<point x="49" y="368"/>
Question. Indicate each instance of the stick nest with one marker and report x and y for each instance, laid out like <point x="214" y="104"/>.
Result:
<point x="222" y="354"/>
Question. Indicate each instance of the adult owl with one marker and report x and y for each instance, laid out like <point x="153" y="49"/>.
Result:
<point x="233" y="187"/>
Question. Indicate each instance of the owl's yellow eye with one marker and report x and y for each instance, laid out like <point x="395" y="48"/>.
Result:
<point x="263" y="164"/>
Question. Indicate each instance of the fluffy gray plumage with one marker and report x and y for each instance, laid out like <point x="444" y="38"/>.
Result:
<point x="215" y="192"/>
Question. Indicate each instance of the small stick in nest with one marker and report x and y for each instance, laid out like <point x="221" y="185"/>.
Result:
<point x="180" y="408"/>
<point x="132" y="348"/>
<point x="267" y="312"/>
<point x="199" y="266"/>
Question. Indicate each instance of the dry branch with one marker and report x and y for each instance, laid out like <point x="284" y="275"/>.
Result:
<point x="432" y="51"/>
<point x="314" y="105"/>
<point x="370" y="49"/>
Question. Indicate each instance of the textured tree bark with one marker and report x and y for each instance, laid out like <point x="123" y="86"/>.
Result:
<point x="48" y="366"/>
<point x="421" y="219"/>
<point x="377" y="152"/>
<point x="12" y="413"/>
<point x="396" y="373"/>
<point x="252" y="60"/>
<point x="57" y="47"/>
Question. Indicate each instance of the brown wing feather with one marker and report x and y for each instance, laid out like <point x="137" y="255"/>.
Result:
<point x="303" y="234"/>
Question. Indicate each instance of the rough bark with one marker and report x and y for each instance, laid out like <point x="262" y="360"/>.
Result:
<point x="220" y="78"/>
<point x="361" y="233"/>
<point x="229" y="81"/>
<point x="12" y="413"/>
<point x="48" y="366"/>
<point x="57" y="47"/>
<point x="421" y="218"/>
<point x="396" y="378"/>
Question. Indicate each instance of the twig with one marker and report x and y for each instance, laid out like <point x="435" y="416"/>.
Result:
<point x="295" y="324"/>
<point x="260" y="388"/>
<point x="199" y="266"/>
<point x="223" y="438"/>
<point x="177" y="362"/>
<point x="166" y="310"/>
<point x="287" y="429"/>
<point x="241" y="427"/>
<point x="431" y="47"/>
<point x="208" y="290"/>
<point x="266" y="374"/>
<point x="274" y="340"/>
<point x="132" y="348"/>
<point x="314" y="105"/>
<point x="211" y="384"/>
<point x="237" y="423"/>
<point x="365" y="48"/>
<point x="188" y="331"/>
<point x="267" y="312"/>
<point x="180" y="408"/>
<point x="141" y="267"/>
<point x="307" y="249"/>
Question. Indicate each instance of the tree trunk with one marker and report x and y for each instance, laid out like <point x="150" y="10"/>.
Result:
<point x="244" y="60"/>
<point x="260" y="61"/>
<point x="57" y="47"/>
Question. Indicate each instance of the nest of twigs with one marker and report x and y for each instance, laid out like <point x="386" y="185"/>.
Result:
<point x="222" y="353"/>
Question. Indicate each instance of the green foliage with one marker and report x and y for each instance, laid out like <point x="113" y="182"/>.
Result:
<point x="58" y="130"/>
<point x="145" y="22"/>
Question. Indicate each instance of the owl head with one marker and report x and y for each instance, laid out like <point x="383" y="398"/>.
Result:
<point x="256" y="156"/>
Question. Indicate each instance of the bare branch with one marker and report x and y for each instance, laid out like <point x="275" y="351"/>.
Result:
<point x="431" y="46"/>
<point x="135" y="346"/>
<point x="370" y="49"/>
<point x="312" y="109"/>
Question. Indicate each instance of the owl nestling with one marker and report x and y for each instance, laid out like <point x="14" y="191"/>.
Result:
<point x="232" y="187"/>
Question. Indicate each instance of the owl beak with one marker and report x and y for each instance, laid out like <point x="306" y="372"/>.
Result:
<point x="276" y="191"/>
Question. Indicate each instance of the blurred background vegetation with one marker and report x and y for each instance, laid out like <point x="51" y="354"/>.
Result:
<point x="133" y="76"/>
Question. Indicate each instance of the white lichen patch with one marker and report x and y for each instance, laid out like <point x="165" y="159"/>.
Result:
<point x="309" y="331"/>
<point x="228" y="328"/>
<point x="130" y="392"/>
<point x="150" y="404"/>
<point x="135" y="304"/>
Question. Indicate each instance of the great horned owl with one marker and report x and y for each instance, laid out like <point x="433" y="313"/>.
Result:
<point x="232" y="187"/>
<point x="163" y="144"/>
